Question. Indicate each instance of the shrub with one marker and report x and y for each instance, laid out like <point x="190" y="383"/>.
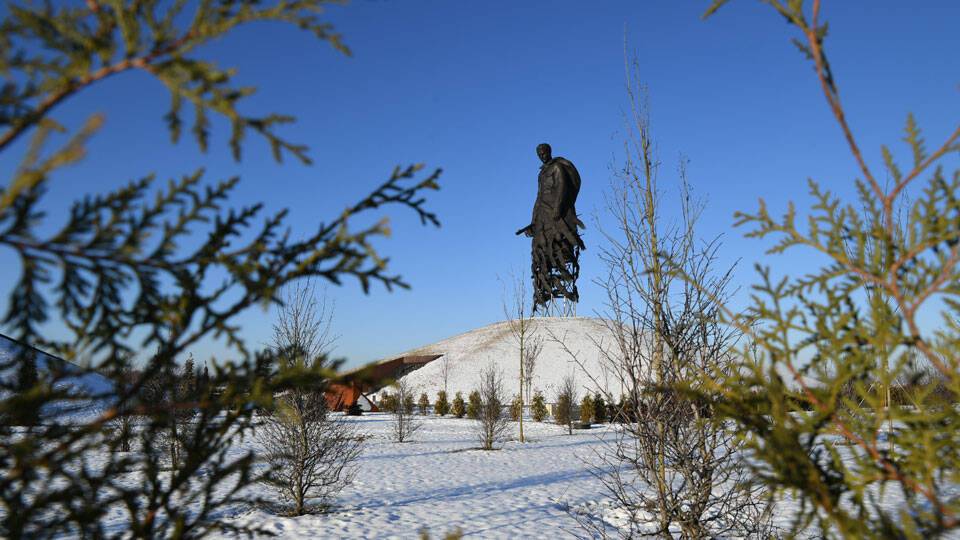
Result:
<point x="404" y="423"/>
<point x="459" y="407"/>
<point x="167" y="390"/>
<point x="624" y="412"/>
<point x="566" y="398"/>
<point x="586" y="409"/>
<point x="473" y="405"/>
<point x="442" y="406"/>
<point x="492" y="424"/>
<point x="516" y="408"/>
<point x="423" y="403"/>
<point x="539" y="407"/>
<point x="599" y="409"/>
<point x="407" y="400"/>
<point x="310" y="452"/>
<point x="388" y="402"/>
<point x="671" y="471"/>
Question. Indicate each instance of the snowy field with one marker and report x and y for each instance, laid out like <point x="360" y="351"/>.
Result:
<point x="441" y="481"/>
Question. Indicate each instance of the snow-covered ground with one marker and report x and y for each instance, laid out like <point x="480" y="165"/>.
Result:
<point x="442" y="481"/>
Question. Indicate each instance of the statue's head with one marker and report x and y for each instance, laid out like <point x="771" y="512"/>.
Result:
<point x="543" y="152"/>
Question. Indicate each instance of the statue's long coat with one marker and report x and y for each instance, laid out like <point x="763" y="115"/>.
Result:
<point x="556" y="240"/>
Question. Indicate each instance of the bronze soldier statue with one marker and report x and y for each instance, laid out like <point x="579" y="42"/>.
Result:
<point x="556" y="243"/>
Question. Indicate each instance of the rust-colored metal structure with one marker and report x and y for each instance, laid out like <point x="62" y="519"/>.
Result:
<point x="352" y="387"/>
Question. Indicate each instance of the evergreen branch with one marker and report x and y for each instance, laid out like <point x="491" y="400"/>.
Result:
<point x="112" y="243"/>
<point x="29" y="119"/>
<point x="857" y="315"/>
<point x="952" y="144"/>
<point x="207" y="87"/>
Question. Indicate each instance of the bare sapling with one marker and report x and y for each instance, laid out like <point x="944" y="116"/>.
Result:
<point x="531" y="354"/>
<point x="492" y="422"/>
<point x="311" y="452"/>
<point x="405" y="424"/>
<point x="445" y="371"/>
<point x="566" y="403"/>
<point x="672" y="468"/>
<point x="168" y="390"/>
<point x="519" y="315"/>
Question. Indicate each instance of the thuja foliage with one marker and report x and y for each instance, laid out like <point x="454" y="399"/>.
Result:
<point x="442" y="406"/>
<point x="516" y="408"/>
<point x="459" y="408"/>
<point x="406" y="402"/>
<point x="624" y="411"/>
<point x="812" y="394"/>
<point x="474" y="403"/>
<point x="538" y="408"/>
<point x="599" y="409"/>
<point x="117" y="275"/>
<point x="586" y="409"/>
<point x="388" y="402"/>
<point x="423" y="404"/>
<point x="566" y="403"/>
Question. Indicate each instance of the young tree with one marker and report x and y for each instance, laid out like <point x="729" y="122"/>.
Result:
<point x="671" y="467"/>
<point x="404" y="423"/>
<point x="459" y="407"/>
<point x="423" y="404"/>
<point x="445" y="371"/>
<point x="516" y="408"/>
<point x="123" y="280"/>
<point x="406" y="399"/>
<point x="531" y="354"/>
<point x="519" y="316"/>
<point x="474" y="405"/>
<point x="890" y="254"/>
<point x="443" y="406"/>
<point x="624" y="411"/>
<point x="169" y="390"/>
<point x="539" y="408"/>
<point x="492" y="424"/>
<point x="566" y="401"/>
<point x="189" y="378"/>
<point x="123" y="424"/>
<point x="586" y="410"/>
<point x="204" y="380"/>
<point x="599" y="409"/>
<point x="310" y="453"/>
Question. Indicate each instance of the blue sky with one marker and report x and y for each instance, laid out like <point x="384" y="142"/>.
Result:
<point x="473" y="87"/>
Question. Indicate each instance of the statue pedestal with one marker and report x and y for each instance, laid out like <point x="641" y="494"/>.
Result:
<point x="559" y="307"/>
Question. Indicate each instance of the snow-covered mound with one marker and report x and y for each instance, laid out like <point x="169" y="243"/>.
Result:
<point x="468" y="353"/>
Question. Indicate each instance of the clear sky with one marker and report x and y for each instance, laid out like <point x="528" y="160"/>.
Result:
<point x="472" y="87"/>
